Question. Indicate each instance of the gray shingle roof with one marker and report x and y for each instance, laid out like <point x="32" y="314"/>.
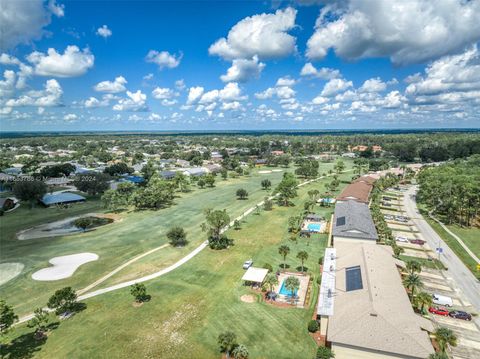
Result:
<point x="63" y="197"/>
<point x="353" y="219"/>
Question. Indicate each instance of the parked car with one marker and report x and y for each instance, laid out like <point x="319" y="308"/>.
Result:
<point x="460" y="315"/>
<point x="386" y="204"/>
<point x="420" y="242"/>
<point x="388" y="217"/>
<point x="247" y="264"/>
<point x="401" y="219"/>
<point x="386" y="198"/>
<point x="442" y="300"/>
<point x="401" y="239"/>
<point x="439" y="311"/>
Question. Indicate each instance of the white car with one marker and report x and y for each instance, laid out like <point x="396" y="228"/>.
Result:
<point x="247" y="264"/>
<point x="442" y="300"/>
<point x="401" y="239"/>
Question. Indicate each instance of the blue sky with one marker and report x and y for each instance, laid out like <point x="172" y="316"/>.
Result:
<point x="201" y="65"/>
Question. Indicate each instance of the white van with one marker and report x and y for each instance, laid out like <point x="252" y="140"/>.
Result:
<point x="442" y="300"/>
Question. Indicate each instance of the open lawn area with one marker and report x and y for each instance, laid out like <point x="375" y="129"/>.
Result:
<point x="193" y="304"/>
<point x="135" y="233"/>
<point x="470" y="236"/>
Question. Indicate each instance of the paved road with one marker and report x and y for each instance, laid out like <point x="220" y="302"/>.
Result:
<point x="464" y="279"/>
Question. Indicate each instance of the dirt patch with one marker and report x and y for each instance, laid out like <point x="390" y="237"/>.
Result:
<point x="137" y="304"/>
<point x="248" y="298"/>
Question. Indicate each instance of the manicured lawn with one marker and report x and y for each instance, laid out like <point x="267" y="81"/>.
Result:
<point x="455" y="246"/>
<point x="193" y="304"/>
<point x="470" y="236"/>
<point x="136" y="233"/>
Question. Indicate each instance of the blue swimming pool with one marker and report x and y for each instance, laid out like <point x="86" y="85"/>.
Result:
<point x="285" y="291"/>
<point x="314" y="227"/>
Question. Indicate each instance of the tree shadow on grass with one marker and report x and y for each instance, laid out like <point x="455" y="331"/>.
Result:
<point x="26" y="345"/>
<point x="299" y="269"/>
<point x="284" y="266"/>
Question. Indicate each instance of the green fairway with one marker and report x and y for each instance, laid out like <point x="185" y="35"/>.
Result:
<point x="470" y="236"/>
<point x="193" y="304"/>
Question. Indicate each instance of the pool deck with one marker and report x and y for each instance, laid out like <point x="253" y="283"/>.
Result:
<point x="302" y="291"/>
<point x="323" y="226"/>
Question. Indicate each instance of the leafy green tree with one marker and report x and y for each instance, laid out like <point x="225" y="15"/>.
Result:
<point x="210" y="180"/>
<point x="324" y="353"/>
<point x="215" y="222"/>
<point x="240" y="352"/>
<point x="339" y="166"/>
<point x="177" y="236"/>
<point x="7" y="317"/>
<point x="438" y="356"/>
<point x="308" y="168"/>
<point x="148" y="170"/>
<point x="283" y="250"/>
<point x="116" y="199"/>
<point x="63" y="300"/>
<point x="118" y="169"/>
<point x="237" y="225"/>
<point x="227" y="342"/>
<point x="303" y="256"/>
<point x="266" y="184"/>
<point x="139" y="292"/>
<point x="60" y="170"/>
<point x="201" y="183"/>
<point x="92" y="183"/>
<point x="39" y="322"/>
<point x="181" y="181"/>
<point x="267" y="204"/>
<point x="242" y="193"/>
<point x="445" y="337"/>
<point x="287" y="189"/>
<point x="158" y="193"/>
<point x="224" y="174"/>
<point x="30" y="191"/>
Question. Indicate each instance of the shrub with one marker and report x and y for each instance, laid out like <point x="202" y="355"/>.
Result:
<point x="312" y="326"/>
<point x="222" y="242"/>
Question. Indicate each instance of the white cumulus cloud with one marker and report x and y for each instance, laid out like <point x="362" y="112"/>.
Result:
<point x="136" y="101"/>
<point x="115" y="86"/>
<point x="104" y="31"/>
<point x="71" y="63"/>
<point x="264" y="35"/>
<point x="243" y="70"/>
<point x="163" y="59"/>
<point x="405" y="31"/>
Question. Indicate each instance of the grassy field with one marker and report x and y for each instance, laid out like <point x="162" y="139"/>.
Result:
<point x="193" y="304"/>
<point x="470" y="236"/>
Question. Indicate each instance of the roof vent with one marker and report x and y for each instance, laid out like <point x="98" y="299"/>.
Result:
<point x="373" y="314"/>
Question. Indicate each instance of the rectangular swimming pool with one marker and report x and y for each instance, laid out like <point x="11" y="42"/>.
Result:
<point x="314" y="227"/>
<point x="284" y="291"/>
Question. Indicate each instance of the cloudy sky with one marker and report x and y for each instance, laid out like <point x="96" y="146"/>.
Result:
<point x="201" y="65"/>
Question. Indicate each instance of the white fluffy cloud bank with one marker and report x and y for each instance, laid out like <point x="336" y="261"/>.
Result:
<point x="405" y="31"/>
<point x="163" y="59"/>
<point x="264" y="35"/>
<point x="21" y="22"/>
<point x="73" y="62"/>
<point x="115" y="86"/>
<point x="243" y="70"/>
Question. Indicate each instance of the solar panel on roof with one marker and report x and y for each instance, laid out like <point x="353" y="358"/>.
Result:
<point x="353" y="278"/>
<point x="341" y="221"/>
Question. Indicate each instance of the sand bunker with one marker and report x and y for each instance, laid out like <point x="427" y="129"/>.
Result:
<point x="63" y="267"/>
<point x="277" y="170"/>
<point x="54" y="229"/>
<point x="8" y="271"/>
<point x="247" y="298"/>
<point x="264" y="172"/>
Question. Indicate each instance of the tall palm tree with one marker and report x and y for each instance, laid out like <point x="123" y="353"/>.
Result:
<point x="292" y="284"/>
<point x="303" y="256"/>
<point x="412" y="282"/>
<point x="240" y="352"/>
<point x="271" y="281"/>
<point x="283" y="250"/>
<point x="423" y="300"/>
<point x="414" y="266"/>
<point x="445" y="337"/>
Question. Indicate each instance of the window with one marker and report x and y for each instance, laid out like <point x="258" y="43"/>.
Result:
<point x="353" y="278"/>
<point x="340" y="221"/>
